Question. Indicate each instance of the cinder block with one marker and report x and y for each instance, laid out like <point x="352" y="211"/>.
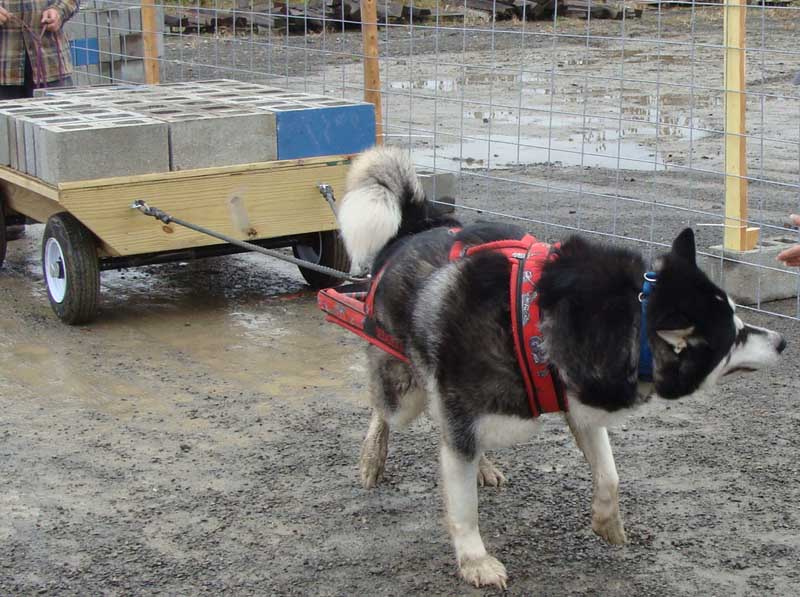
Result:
<point x="25" y="125"/>
<point x="439" y="187"/>
<point x="124" y="71"/>
<point x="132" y="44"/>
<point x="9" y="110"/>
<point x="752" y="277"/>
<point x="19" y="133"/>
<point x="139" y="146"/>
<point x="222" y="141"/>
<point x="342" y="130"/>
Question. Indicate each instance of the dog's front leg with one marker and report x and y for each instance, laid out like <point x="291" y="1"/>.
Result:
<point x="593" y="442"/>
<point x="459" y="475"/>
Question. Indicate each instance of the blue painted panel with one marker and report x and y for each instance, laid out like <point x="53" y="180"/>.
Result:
<point x="311" y="132"/>
<point x="85" y="51"/>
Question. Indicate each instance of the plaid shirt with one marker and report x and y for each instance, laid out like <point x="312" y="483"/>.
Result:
<point x="51" y="56"/>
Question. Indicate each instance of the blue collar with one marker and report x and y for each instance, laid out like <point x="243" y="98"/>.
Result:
<point x="645" y="355"/>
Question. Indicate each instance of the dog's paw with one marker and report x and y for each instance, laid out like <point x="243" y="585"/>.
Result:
<point x="373" y="453"/>
<point x="489" y="474"/>
<point x="610" y="529"/>
<point x="484" y="571"/>
<point x="371" y="474"/>
<point x="371" y="467"/>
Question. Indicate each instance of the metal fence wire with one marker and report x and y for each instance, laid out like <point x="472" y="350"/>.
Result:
<point x="612" y="119"/>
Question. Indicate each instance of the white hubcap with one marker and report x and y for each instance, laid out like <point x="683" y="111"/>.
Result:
<point x="54" y="270"/>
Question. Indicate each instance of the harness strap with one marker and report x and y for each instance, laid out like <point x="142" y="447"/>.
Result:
<point x="527" y="258"/>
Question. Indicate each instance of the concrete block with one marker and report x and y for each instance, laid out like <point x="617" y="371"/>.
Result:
<point x="753" y="277"/>
<point x="5" y="158"/>
<point x="132" y="44"/>
<point x="124" y="71"/>
<point x="89" y="77"/>
<point x="9" y="111"/>
<point x="134" y="146"/>
<point x="25" y="125"/>
<point x="439" y="187"/>
<point x="222" y="141"/>
<point x="19" y="161"/>
<point x="341" y="130"/>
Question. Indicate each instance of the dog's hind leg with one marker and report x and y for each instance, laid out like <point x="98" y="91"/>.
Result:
<point x="396" y="400"/>
<point x="374" y="451"/>
<point x="461" y="497"/>
<point x="488" y="474"/>
<point x="593" y="442"/>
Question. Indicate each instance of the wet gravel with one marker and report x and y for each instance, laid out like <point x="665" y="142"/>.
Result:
<point x="203" y="435"/>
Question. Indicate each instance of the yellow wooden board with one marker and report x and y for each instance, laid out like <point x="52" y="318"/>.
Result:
<point x="29" y="203"/>
<point x="738" y="235"/>
<point x="280" y="198"/>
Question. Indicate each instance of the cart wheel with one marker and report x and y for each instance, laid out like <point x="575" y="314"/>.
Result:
<point x="322" y="248"/>
<point x="3" y="241"/>
<point x="71" y="269"/>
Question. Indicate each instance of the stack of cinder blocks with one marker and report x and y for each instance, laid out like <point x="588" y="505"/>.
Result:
<point x="86" y="133"/>
<point x="106" y="41"/>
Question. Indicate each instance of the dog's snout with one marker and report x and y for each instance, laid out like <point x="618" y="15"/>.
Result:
<point x="781" y="346"/>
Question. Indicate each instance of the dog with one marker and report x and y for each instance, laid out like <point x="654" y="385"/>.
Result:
<point x="453" y="318"/>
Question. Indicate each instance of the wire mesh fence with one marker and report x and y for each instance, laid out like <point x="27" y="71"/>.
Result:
<point x="565" y="115"/>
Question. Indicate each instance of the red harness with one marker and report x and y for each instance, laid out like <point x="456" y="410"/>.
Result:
<point x="354" y="311"/>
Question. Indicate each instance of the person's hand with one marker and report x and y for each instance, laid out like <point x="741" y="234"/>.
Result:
<point x="791" y="256"/>
<point x="4" y="16"/>
<point x="51" y="19"/>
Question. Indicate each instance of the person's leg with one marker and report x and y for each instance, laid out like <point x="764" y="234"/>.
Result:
<point x="9" y="92"/>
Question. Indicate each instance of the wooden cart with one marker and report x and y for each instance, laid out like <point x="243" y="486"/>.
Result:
<point x="90" y="225"/>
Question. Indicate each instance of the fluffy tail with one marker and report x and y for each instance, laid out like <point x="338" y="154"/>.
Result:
<point x="383" y="199"/>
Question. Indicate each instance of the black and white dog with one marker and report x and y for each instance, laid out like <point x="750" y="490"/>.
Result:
<point x="453" y="319"/>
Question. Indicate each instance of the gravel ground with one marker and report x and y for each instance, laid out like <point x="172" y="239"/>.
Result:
<point x="203" y="435"/>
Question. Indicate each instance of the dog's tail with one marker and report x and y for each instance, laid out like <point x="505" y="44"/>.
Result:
<point x="384" y="199"/>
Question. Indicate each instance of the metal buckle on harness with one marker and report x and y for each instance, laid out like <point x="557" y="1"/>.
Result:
<point x="649" y="280"/>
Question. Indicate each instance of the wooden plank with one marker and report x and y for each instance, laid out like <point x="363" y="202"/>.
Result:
<point x="29" y="203"/>
<point x="199" y="173"/>
<point x="738" y="236"/>
<point x="372" y="73"/>
<point x="279" y="201"/>
<point x="28" y="182"/>
<point x="150" y="31"/>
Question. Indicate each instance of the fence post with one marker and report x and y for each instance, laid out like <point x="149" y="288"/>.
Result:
<point x="372" y="73"/>
<point x="738" y="236"/>
<point x="150" y="31"/>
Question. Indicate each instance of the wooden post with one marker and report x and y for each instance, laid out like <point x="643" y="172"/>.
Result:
<point x="738" y="237"/>
<point x="150" y="32"/>
<point x="372" y="73"/>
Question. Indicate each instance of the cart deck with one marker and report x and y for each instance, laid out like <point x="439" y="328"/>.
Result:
<point x="281" y="198"/>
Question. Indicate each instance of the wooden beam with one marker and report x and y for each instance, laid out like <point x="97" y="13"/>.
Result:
<point x="279" y="201"/>
<point x="29" y="203"/>
<point x="372" y="72"/>
<point x="28" y="182"/>
<point x="200" y="174"/>
<point x="738" y="236"/>
<point x="150" y="32"/>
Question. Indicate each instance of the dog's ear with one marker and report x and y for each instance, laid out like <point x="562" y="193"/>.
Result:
<point x="683" y="246"/>
<point x="676" y="338"/>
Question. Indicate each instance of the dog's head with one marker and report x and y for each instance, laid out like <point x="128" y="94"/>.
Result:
<point x="694" y="332"/>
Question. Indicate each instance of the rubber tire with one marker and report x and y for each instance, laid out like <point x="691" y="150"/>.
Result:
<point x="82" y="268"/>
<point x="323" y="248"/>
<point x="3" y="241"/>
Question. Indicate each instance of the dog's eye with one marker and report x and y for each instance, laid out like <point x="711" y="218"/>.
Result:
<point x="720" y="298"/>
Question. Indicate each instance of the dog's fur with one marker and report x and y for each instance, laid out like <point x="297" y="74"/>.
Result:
<point x="453" y="320"/>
